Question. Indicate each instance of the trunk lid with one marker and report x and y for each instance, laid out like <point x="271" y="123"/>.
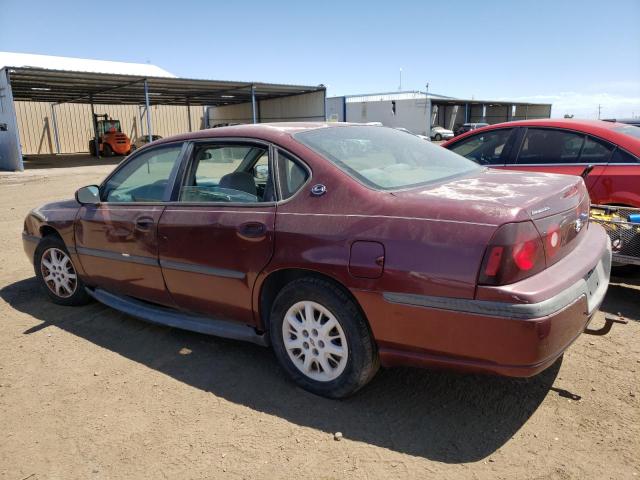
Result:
<point x="557" y="204"/>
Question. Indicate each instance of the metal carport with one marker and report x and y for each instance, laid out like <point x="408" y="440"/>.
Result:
<point x="67" y="87"/>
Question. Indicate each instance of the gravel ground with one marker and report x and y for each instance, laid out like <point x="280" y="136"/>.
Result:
<point x="91" y="393"/>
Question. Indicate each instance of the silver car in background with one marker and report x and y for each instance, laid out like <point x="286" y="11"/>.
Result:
<point x="440" y="133"/>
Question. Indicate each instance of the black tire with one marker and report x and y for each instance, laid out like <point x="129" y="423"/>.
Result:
<point x="79" y="295"/>
<point x="362" y="361"/>
<point x="438" y="137"/>
<point x="106" y="150"/>
<point x="92" y="147"/>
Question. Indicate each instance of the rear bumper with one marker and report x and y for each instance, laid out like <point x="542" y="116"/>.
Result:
<point x="486" y="335"/>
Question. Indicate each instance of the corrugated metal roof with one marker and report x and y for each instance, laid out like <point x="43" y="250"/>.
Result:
<point x="51" y="62"/>
<point x="58" y="86"/>
<point x="435" y="97"/>
<point x="388" y="96"/>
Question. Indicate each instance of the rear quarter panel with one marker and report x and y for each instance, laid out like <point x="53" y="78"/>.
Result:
<point x="618" y="184"/>
<point x="423" y="256"/>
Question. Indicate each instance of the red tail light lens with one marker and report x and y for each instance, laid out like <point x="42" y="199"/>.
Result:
<point x="514" y="253"/>
<point x="524" y="254"/>
<point x="495" y="257"/>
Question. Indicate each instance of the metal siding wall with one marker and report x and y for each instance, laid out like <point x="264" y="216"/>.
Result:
<point x="10" y="157"/>
<point x="75" y="126"/>
<point x="335" y="109"/>
<point x="410" y="114"/>
<point x="475" y="114"/>
<point x="230" y="114"/>
<point x="308" y="107"/>
<point x="497" y="113"/>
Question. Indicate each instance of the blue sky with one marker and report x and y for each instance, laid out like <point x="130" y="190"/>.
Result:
<point x="574" y="54"/>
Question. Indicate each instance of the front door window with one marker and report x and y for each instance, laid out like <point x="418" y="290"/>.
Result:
<point x="488" y="148"/>
<point x="144" y="178"/>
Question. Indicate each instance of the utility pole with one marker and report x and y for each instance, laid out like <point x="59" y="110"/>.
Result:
<point x="599" y="110"/>
<point x="428" y="112"/>
<point x="400" y="86"/>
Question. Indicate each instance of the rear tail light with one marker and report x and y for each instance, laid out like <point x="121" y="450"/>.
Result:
<point x="514" y="253"/>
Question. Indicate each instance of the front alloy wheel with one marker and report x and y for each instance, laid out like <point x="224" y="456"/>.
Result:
<point x="58" y="273"/>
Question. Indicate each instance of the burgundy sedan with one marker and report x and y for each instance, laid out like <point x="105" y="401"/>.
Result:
<point x="342" y="246"/>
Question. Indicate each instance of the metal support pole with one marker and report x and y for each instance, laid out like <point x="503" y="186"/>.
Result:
<point x="325" y="105"/>
<point x="55" y="127"/>
<point x="253" y="103"/>
<point x="466" y="113"/>
<point x="429" y="112"/>
<point x="526" y="113"/>
<point x="189" y="115"/>
<point x="148" y="107"/>
<point x="344" y="109"/>
<point x="96" y="140"/>
<point x="141" y="112"/>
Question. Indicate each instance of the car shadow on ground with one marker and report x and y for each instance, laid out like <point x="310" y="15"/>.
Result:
<point x="622" y="298"/>
<point x="441" y="416"/>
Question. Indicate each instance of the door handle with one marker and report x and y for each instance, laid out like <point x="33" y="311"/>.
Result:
<point x="144" y="224"/>
<point x="252" y="230"/>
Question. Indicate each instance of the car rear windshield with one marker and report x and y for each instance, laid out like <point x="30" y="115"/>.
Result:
<point x="385" y="158"/>
<point x="628" y="130"/>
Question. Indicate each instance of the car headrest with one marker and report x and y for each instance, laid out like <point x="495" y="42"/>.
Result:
<point x="242" y="181"/>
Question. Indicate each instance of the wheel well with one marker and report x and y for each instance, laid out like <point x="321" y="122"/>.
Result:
<point x="46" y="230"/>
<point x="278" y="279"/>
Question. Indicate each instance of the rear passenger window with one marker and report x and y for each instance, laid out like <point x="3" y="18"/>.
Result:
<point x="228" y="173"/>
<point x="546" y="146"/>
<point x="486" y="148"/>
<point x="595" y="151"/>
<point x="620" y="156"/>
<point x="292" y="175"/>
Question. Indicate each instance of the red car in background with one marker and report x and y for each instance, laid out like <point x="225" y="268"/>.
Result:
<point x="563" y="146"/>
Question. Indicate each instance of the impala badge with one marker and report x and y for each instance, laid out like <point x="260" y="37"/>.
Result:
<point x="540" y="210"/>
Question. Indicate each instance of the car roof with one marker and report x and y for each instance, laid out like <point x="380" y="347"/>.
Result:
<point x="267" y="131"/>
<point x="610" y="131"/>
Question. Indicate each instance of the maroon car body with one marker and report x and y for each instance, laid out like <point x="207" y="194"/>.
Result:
<point x="410" y="258"/>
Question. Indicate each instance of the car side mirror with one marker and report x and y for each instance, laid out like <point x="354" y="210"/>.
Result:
<point x="88" y="195"/>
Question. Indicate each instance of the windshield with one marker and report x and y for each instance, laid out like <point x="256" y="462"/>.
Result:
<point x="385" y="158"/>
<point x="111" y="126"/>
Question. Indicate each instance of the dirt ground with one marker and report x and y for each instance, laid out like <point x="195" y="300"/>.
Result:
<point x="92" y="393"/>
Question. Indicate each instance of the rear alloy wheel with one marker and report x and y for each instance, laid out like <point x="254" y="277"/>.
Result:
<point x="438" y="137"/>
<point x="321" y="338"/>
<point x="315" y="341"/>
<point x="57" y="274"/>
